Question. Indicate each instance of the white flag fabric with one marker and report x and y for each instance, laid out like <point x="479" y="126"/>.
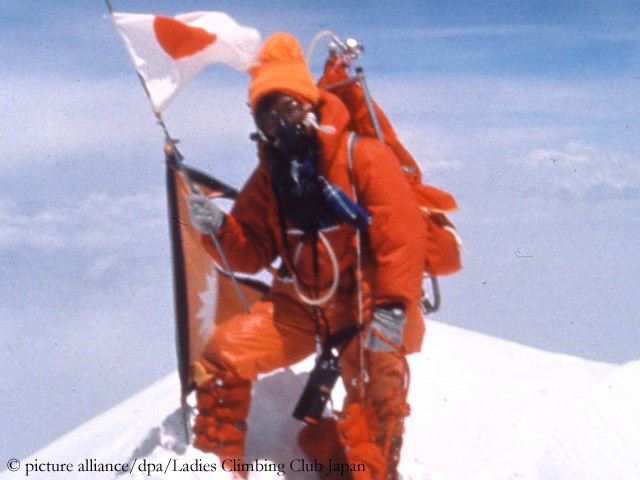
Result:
<point x="169" y="52"/>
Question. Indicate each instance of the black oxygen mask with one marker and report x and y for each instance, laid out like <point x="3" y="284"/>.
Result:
<point x="293" y="139"/>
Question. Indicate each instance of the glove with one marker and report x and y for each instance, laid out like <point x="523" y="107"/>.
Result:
<point x="386" y="329"/>
<point x="204" y="214"/>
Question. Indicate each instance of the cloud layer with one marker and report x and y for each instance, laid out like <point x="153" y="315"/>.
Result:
<point x="582" y="170"/>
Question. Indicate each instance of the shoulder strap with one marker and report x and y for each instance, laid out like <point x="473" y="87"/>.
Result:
<point x="351" y="143"/>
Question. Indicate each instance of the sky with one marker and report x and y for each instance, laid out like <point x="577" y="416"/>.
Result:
<point x="525" y="111"/>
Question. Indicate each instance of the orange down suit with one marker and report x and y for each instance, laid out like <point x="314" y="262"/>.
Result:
<point x="281" y="329"/>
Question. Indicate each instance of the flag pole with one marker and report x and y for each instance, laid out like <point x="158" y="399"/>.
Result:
<point x="109" y="6"/>
<point x="171" y="142"/>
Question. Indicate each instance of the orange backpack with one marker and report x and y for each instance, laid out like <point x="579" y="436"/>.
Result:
<point x="442" y="249"/>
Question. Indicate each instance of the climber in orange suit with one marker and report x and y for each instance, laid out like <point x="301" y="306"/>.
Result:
<point x="343" y="220"/>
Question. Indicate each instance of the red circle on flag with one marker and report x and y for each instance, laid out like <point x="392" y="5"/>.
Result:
<point x="180" y="40"/>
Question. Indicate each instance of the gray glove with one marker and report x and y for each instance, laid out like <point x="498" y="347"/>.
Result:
<point x="204" y="214"/>
<point x="386" y="329"/>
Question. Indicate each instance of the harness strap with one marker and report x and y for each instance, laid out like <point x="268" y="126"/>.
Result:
<point x="364" y="375"/>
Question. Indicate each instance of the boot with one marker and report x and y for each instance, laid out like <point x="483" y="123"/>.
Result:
<point x="357" y="429"/>
<point x="220" y="426"/>
<point x="321" y="443"/>
<point x="372" y="436"/>
<point x="391" y="417"/>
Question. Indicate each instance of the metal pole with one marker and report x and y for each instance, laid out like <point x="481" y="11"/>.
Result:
<point x="370" y="106"/>
<point x="428" y="305"/>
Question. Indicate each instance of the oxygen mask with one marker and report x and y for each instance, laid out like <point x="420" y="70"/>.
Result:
<point x="293" y="139"/>
<point x="281" y="121"/>
<point x="288" y="124"/>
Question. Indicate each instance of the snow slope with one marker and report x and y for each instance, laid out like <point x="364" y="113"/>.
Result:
<point x="483" y="409"/>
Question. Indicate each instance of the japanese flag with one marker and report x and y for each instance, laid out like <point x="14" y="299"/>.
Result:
<point x="169" y="52"/>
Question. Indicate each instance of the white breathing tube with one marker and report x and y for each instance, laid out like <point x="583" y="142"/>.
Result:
<point x="314" y="302"/>
<point x="310" y="120"/>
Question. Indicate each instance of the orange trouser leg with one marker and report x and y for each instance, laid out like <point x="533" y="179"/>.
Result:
<point x="268" y="337"/>
<point x="372" y="425"/>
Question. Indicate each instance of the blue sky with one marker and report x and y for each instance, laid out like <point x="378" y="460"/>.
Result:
<point x="526" y="111"/>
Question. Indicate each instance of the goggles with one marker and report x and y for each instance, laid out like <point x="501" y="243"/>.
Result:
<point x="284" y="108"/>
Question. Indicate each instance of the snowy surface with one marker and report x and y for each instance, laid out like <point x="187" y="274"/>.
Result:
<point x="482" y="409"/>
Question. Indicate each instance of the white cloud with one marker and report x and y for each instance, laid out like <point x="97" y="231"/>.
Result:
<point x="470" y="31"/>
<point x="102" y="265"/>
<point x="100" y="222"/>
<point x="522" y="32"/>
<point x="478" y="126"/>
<point x="433" y="147"/>
<point x="480" y="99"/>
<point x="581" y="169"/>
<point x="52" y="120"/>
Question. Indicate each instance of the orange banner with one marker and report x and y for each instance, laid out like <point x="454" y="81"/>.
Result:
<point x="204" y="294"/>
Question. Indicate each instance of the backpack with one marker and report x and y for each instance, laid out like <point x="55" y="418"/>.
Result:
<point x="443" y="246"/>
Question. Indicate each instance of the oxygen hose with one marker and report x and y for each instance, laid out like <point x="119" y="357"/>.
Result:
<point x="314" y="302"/>
<point x="314" y="42"/>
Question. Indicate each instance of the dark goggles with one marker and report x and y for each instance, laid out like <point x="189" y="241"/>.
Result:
<point x="284" y="108"/>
